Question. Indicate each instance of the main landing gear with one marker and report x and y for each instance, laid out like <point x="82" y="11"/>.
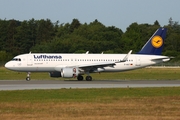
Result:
<point x="88" y="78"/>
<point x="28" y="76"/>
<point x="79" y="78"/>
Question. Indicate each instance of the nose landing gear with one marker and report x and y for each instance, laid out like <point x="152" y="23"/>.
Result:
<point x="28" y="76"/>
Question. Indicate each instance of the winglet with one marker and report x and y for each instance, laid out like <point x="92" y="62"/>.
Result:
<point x="126" y="57"/>
<point x="87" y="52"/>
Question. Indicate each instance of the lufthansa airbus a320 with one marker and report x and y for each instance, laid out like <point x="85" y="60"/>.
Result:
<point x="76" y="65"/>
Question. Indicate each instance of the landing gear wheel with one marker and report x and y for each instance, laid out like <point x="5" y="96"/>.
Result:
<point x="80" y="78"/>
<point x="28" y="79"/>
<point x="28" y="76"/>
<point x="88" y="78"/>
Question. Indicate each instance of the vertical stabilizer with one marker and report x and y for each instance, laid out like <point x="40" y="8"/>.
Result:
<point x="155" y="44"/>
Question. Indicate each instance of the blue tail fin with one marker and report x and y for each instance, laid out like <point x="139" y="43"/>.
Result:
<point x="155" y="44"/>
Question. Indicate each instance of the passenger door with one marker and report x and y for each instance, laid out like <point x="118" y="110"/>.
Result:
<point x="29" y="60"/>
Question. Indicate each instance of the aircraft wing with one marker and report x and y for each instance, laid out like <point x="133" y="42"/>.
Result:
<point x="94" y="66"/>
<point x="102" y="64"/>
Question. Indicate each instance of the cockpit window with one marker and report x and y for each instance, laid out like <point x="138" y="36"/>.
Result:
<point x="16" y="59"/>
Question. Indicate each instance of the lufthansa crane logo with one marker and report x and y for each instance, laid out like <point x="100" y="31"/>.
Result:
<point x="157" y="41"/>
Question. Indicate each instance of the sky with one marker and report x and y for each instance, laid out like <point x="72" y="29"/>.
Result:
<point x="118" y="13"/>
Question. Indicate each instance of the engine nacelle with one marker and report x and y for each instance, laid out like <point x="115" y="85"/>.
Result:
<point x="69" y="72"/>
<point x="55" y="74"/>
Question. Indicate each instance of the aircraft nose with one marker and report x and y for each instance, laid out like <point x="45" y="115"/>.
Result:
<point x="7" y="65"/>
<point x="11" y="66"/>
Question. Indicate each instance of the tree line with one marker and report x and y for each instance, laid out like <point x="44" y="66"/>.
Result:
<point x="17" y="37"/>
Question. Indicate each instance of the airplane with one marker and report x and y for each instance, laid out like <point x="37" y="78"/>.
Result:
<point x="76" y="65"/>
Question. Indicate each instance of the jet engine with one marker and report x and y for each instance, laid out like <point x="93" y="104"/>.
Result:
<point x="69" y="72"/>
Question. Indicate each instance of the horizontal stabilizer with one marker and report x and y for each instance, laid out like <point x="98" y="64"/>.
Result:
<point x="164" y="59"/>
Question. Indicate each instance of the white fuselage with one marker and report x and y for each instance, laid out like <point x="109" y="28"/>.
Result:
<point x="54" y="62"/>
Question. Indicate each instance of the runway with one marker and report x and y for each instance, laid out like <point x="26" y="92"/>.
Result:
<point x="55" y="84"/>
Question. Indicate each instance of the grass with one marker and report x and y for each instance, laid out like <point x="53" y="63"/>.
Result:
<point x="90" y="104"/>
<point x="139" y="74"/>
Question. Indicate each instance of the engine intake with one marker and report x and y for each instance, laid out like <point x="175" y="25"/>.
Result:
<point x="69" y="72"/>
